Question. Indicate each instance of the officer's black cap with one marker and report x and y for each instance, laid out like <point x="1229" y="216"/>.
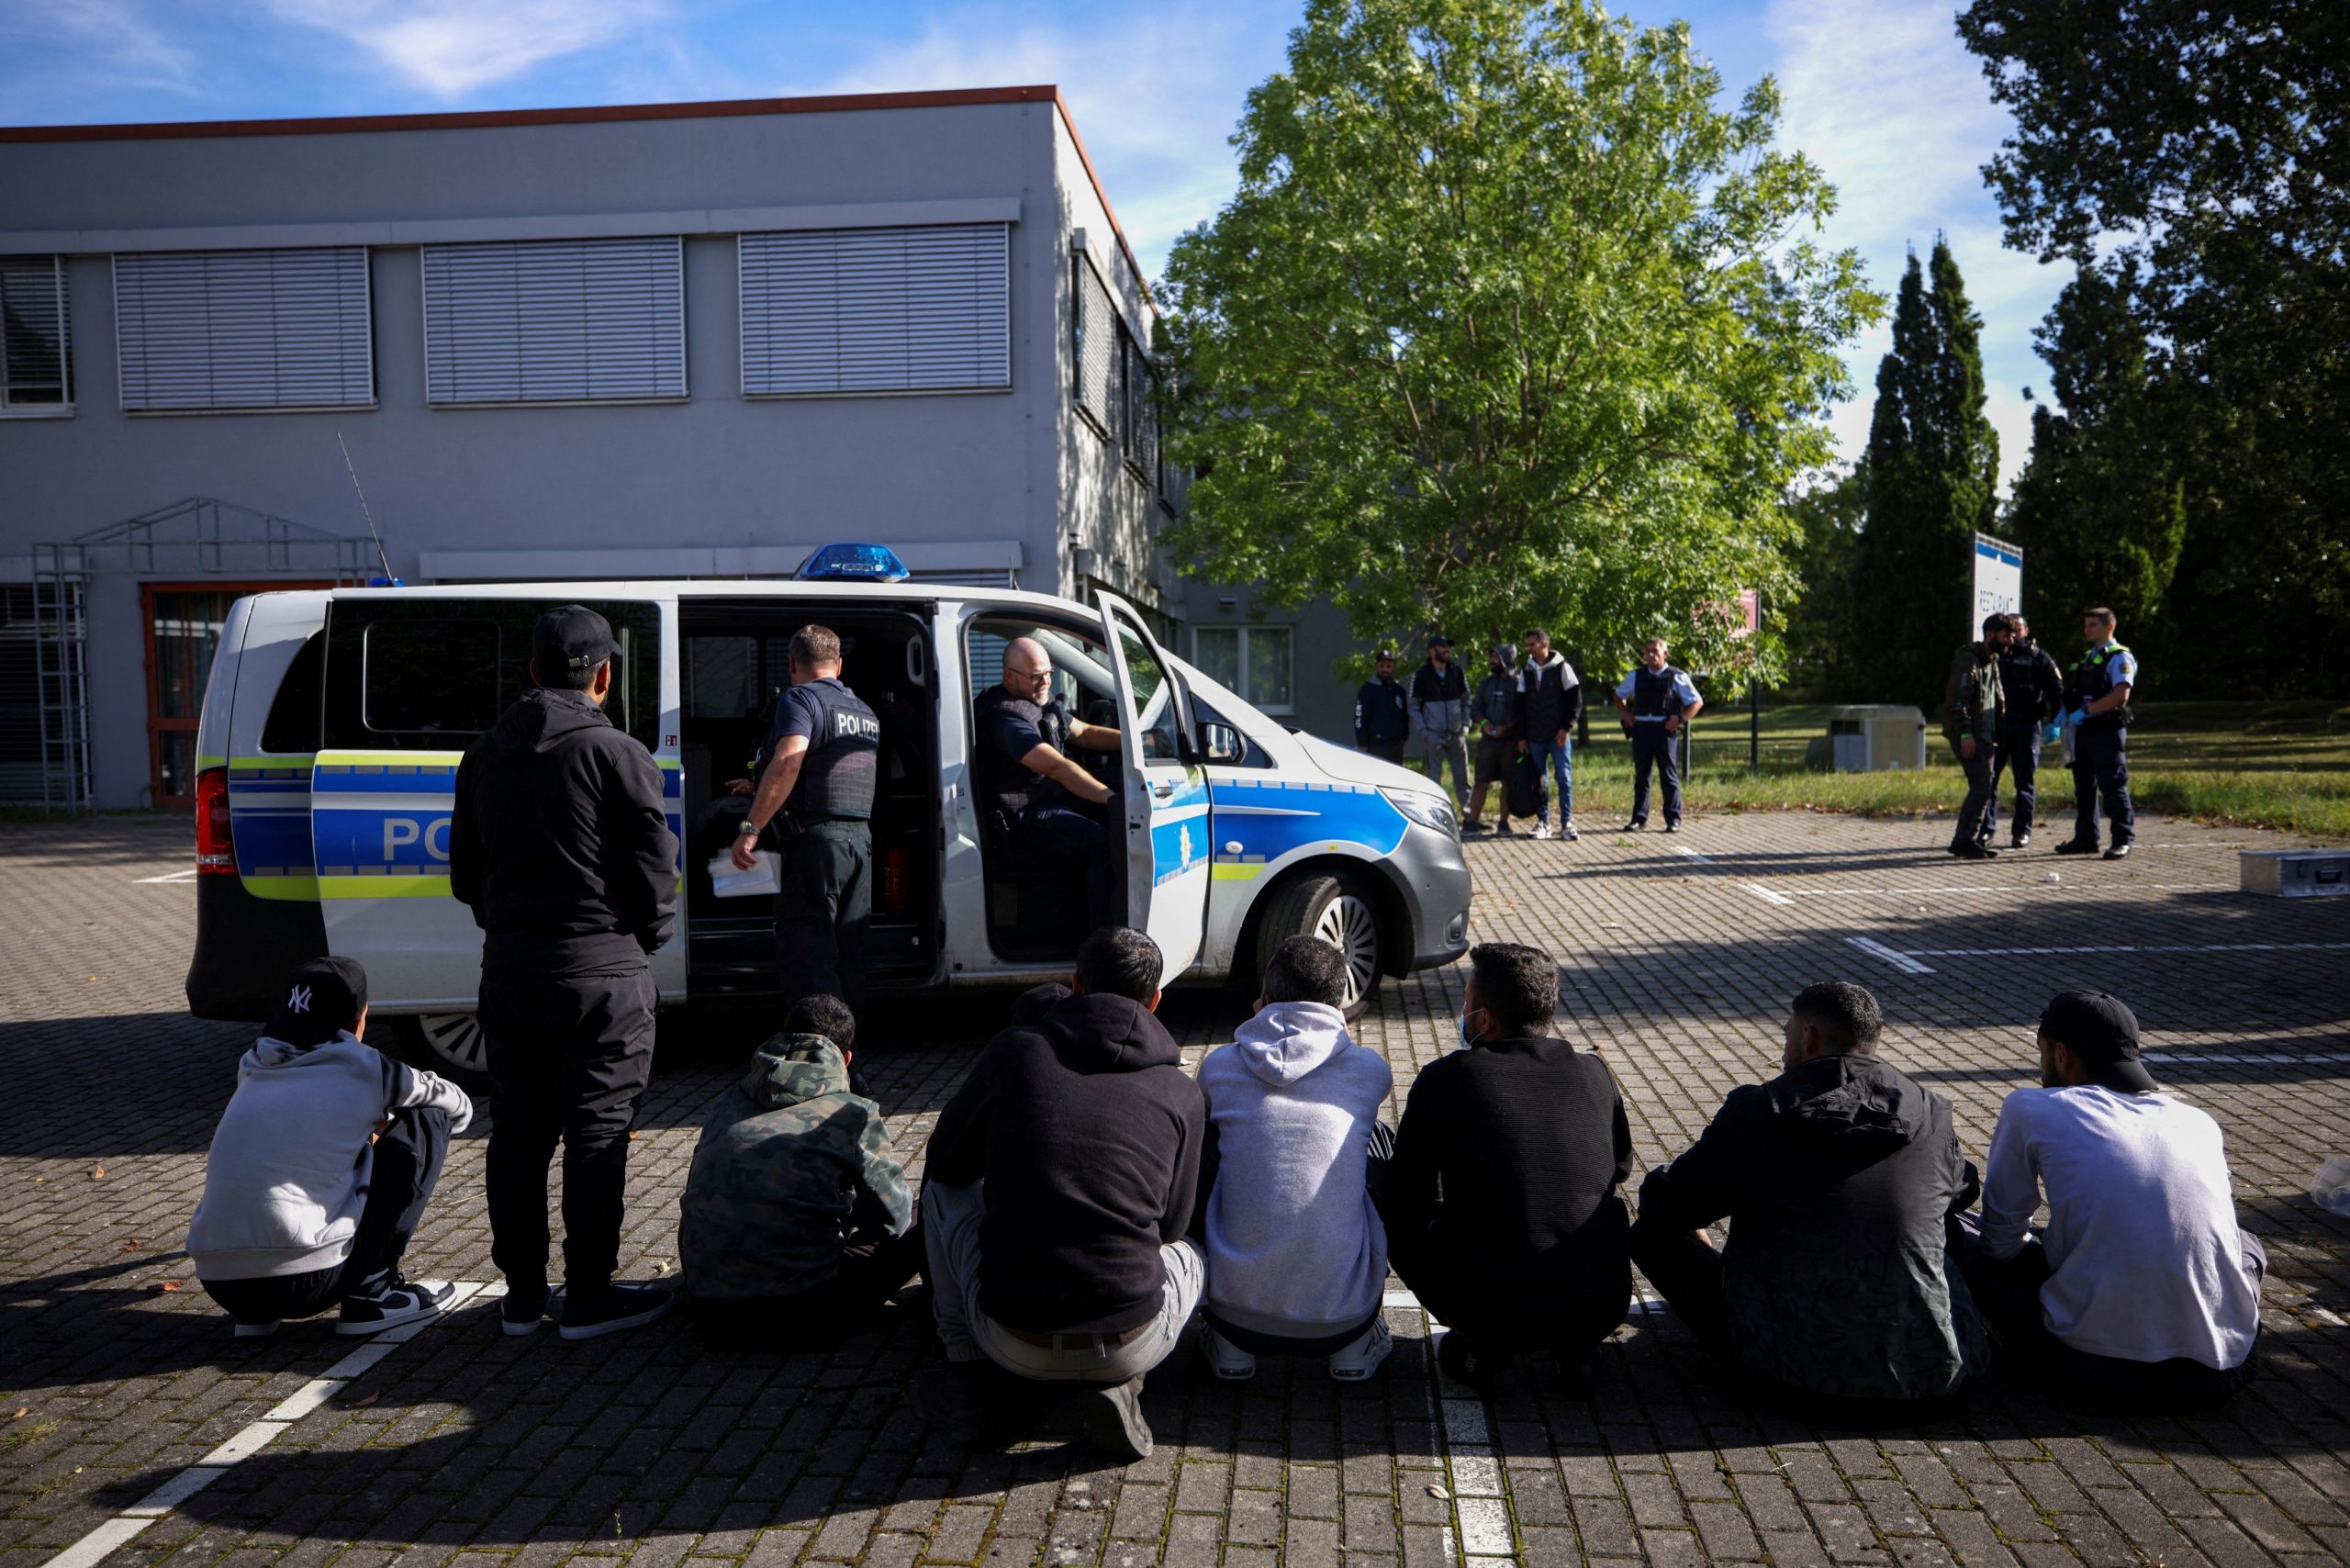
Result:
<point x="2101" y="1031"/>
<point x="572" y="638"/>
<point x="323" y="999"/>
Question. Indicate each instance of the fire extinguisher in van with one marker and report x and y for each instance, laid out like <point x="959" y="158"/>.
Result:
<point x="893" y="880"/>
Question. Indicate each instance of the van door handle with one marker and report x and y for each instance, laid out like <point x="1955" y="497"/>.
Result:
<point x="1164" y="791"/>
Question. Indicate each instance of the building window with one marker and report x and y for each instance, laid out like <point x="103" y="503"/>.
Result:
<point x="220" y="330"/>
<point x="842" y="311"/>
<point x="1140" y="438"/>
<point x="1252" y="660"/>
<point x="555" y="322"/>
<point x="35" y="352"/>
<point x="1097" y="348"/>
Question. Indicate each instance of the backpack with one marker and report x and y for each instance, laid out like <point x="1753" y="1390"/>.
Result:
<point x="1524" y="790"/>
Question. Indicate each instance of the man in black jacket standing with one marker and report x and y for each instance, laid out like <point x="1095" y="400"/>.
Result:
<point x="559" y="845"/>
<point x="1381" y="714"/>
<point x="2033" y="689"/>
<point x="1501" y="1200"/>
<point x="1060" y="1181"/>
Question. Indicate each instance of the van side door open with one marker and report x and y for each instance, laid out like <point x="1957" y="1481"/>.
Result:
<point x="1167" y="817"/>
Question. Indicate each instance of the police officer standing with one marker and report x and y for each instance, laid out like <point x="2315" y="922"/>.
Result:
<point x="2033" y="690"/>
<point x="823" y="761"/>
<point x="1053" y="807"/>
<point x="1381" y="710"/>
<point x="1656" y="702"/>
<point x="560" y="843"/>
<point x="2096" y="693"/>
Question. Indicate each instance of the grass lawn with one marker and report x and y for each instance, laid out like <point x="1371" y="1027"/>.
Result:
<point x="2278" y="764"/>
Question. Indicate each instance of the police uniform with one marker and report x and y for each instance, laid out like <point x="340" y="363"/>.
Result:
<point x="1046" y="821"/>
<point x="2101" y="747"/>
<point x="559" y="842"/>
<point x="2034" y="691"/>
<point x="1382" y="718"/>
<point x="1656" y="696"/>
<point x="825" y="900"/>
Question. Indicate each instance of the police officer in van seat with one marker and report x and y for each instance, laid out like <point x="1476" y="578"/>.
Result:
<point x="823" y="762"/>
<point x="2096" y="691"/>
<point x="559" y="843"/>
<point x="1025" y="777"/>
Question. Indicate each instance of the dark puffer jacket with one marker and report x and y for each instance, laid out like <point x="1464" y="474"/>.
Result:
<point x="1836" y="1177"/>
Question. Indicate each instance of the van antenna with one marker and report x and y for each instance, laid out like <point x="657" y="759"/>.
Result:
<point x="364" y="509"/>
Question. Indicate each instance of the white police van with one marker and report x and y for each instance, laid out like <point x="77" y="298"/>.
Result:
<point x="335" y="719"/>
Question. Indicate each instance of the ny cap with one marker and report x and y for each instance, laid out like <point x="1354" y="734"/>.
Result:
<point x="323" y="998"/>
<point x="1439" y="641"/>
<point x="572" y="638"/>
<point x="2101" y="1031"/>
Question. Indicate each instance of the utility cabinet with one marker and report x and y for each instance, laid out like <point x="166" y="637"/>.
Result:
<point x="1875" y="738"/>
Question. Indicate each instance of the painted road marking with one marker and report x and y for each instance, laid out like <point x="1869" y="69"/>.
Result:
<point x="1767" y="896"/>
<point x="1902" y="962"/>
<point x="2058" y="952"/>
<point x="257" y="1435"/>
<point x="188" y="876"/>
<point x="1684" y="849"/>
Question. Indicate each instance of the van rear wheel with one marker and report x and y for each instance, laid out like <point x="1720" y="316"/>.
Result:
<point x="1327" y="908"/>
<point x="447" y="1043"/>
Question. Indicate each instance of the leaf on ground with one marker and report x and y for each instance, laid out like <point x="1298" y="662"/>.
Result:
<point x="22" y="1411"/>
<point x="1437" y="1491"/>
<point x="362" y="1401"/>
<point x="97" y="1172"/>
<point x="131" y="1245"/>
<point x="167" y="1285"/>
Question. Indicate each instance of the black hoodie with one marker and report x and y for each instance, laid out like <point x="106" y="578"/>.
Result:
<point x="1087" y="1133"/>
<point x="1836" y="1177"/>
<point x="559" y="842"/>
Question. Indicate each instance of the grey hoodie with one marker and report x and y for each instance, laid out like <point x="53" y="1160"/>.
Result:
<point x="287" y="1174"/>
<point x="1294" y="1246"/>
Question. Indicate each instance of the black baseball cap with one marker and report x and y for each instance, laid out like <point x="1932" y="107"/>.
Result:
<point x="2101" y="1031"/>
<point x="572" y="638"/>
<point x="323" y="998"/>
<point x="1439" y="641"/>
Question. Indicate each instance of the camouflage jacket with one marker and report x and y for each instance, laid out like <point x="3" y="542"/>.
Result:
<point x="792" y="1167"/>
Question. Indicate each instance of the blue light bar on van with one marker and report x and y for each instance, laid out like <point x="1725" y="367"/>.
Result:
<point x="853" y="563"/>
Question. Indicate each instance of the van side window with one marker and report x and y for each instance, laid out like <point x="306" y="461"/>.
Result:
<point x="1224" y="742"/>
<point x="430" y="678"/>
<point x="293" y="724"/>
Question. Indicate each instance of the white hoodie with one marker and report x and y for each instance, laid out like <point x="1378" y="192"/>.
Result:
<point x="287" y="1175"/>
<point x="1294" y="1247"/>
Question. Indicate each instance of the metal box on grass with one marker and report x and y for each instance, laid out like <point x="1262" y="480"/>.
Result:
<point x="2295" y="873"/>
<point x="1876" y="738"/>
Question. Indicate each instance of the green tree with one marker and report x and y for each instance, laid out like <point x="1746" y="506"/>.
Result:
<point x="1933" y="474"/>
<point x="1507" y="322"/>
<point x="2200" y="156"/>
<point x="1823" y="654"/>
<point x="2099" y="507"/>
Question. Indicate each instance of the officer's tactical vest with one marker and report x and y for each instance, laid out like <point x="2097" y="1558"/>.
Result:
<point x="1004" y="785"/>
<point x="1654" y="696"/>
<point x="844" y="759"/>
<point x="2091" y="678"/>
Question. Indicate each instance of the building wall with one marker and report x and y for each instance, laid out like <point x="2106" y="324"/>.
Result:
<point x="1323" y="697"/>
<point x="961" y="481"/>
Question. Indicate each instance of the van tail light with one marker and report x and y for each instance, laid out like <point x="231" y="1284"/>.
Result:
<point x="216" y="855"/>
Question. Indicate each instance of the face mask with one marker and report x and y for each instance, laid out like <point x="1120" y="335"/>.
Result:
<point x="1462" y="1024"/>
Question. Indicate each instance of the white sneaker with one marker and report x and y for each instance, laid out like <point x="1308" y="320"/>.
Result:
<point x="1356" y="1361"/>
<point x="1541" y="830"/>
<point x="1567" y="830"/>
<point x="1227" y="1361"/>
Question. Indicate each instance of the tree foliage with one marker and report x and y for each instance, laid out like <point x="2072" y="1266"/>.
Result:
<point x="1506" y="322"/>
<point x="2099" y="509"/>
<point x="2199" y="157"/>
<point x="1932" y="484"/>
<point x="1824" y="657"/>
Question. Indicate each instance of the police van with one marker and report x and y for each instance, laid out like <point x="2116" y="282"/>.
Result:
<point x="335" y="718"/>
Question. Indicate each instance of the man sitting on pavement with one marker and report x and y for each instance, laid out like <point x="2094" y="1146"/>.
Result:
<point x="796" y="1220"/>
<point x="1837" y="1177"/>
<point x="320" y="1168"/>
<point x="2143" y="1286"/>
<point x="1524" y="1140"/>
<point x="1060" y="1181"/>
<point x="1296" y="1256"/>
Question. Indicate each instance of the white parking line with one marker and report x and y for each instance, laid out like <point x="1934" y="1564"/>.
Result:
<point x="1767" y="896"/>
<point x="186" y="876"/>
<point x="1902" y="962"/>
<point x="2244" y="1059"/>
<point x="2059" y="952"/>
<point x="255" y="1436"/>
<point x="1684" y="849"/>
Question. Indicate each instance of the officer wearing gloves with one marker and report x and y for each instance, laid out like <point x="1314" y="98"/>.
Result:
<point x="559" y="844"/>
<point x="1656" y="702"/>
<point x="823" y="760"/>
<point x="2097" y="695"/>
<point x="1440" y="709"/>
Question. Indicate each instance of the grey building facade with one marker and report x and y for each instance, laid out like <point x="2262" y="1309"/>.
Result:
<point x="672" y="341"/>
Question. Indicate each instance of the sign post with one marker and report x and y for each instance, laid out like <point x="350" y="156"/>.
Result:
<point x="1750" y="604"/>
<point x="1998" y="580"/>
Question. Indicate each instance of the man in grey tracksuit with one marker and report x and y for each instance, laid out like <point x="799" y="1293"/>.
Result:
<point x="1440" y="711"/>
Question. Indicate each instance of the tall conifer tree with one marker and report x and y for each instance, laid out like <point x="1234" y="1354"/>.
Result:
<point x="1933" y="473"/>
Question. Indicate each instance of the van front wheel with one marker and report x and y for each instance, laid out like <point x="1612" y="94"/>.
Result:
<point x="1329" y="909"/>
<point x="447" y="1043"/>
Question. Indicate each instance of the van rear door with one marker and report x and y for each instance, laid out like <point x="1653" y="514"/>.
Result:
<point x="1168" y="844"/>
<point x="412" y="679"/>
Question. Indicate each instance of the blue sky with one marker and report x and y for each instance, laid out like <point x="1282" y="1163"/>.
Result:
<point x="1877" y="91"/>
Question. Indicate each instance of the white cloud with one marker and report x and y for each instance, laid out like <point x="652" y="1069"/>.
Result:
<point x="452" y="47"/>
<point x="115" y="40"/>
<point x="1883" y="96"/>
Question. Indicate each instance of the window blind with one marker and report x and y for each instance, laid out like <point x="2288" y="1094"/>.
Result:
<point x="1098" y="350"/>
<point x="36" y="357"/>
<point x="244" y="328"/>
<point x="847" y="310"/>
<point x="555" y="322"/>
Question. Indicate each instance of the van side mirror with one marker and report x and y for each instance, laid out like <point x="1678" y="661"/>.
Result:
<point x="1222" y="743"/>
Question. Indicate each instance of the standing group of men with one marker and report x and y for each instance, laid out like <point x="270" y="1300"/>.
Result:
<point x="2005" y="696"/>
<point x="1524" y="717"/>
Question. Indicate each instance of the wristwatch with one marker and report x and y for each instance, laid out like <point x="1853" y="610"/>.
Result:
<point x="750" y="830"/>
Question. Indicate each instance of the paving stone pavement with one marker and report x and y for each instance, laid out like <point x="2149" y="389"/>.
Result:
<point x="465" y="1446"/>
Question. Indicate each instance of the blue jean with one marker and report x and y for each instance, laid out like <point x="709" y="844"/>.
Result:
<point x="1979" y="787"/>
<point x="2020" y="758"/>
<point x="1561" y="761"/>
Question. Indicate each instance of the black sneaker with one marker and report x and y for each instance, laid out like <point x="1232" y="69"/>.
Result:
<point x="1114" y="1421"/>
<point x="523" y="1310"/>
<point x="1672" y="826"/>
<point x="1635" y="825"/>
<point x="2119" y="852"/>
<point x="2021" y="841"/>
<point x="1973" y="851"/>
<point x="613" y="1308"/>
<point x="2075" y="847"/>
<point x="1470" y="829"/>
<point x="401" y="1300"/>
<point x="1460" y="1357"/>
